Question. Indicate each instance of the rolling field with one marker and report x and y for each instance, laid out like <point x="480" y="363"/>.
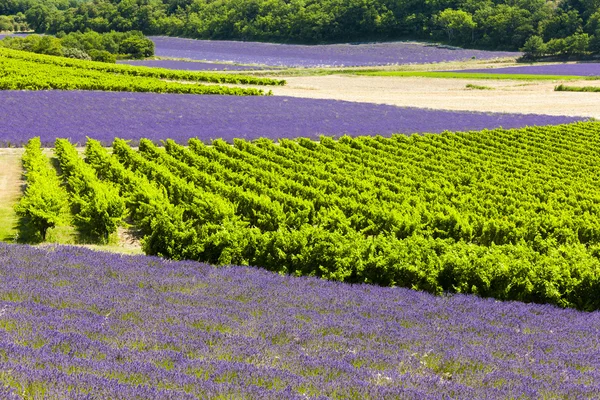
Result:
<point x="509" y="96"/>
<point x="29" y="71"/>
<point x="104" y="116"/>
<point x="339" y="55"/>
<point x="424" y="238"/>
<point x="78" y="324"/>
<point x="436" y="212"/>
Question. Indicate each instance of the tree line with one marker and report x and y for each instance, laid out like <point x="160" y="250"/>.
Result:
<point x="91" y="46"/>
<point x="494" y="24"/>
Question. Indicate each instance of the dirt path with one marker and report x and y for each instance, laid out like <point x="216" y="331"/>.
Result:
<point x="10" y="191"/>
<point x="524" y="97"/>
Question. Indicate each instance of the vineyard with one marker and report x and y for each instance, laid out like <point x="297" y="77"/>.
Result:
<point x="510" y="214"/>
<point x="28" y="71"/>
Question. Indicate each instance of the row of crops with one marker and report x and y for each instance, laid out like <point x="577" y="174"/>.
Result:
<point x="28" y="71"/>
<point x="511" y="214"/>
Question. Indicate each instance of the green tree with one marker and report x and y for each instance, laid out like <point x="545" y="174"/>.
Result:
<point x="456" y="23"/>
<point x="534" y="47"/>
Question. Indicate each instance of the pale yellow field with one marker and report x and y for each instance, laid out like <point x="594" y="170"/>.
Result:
<point x="518" y="96"/>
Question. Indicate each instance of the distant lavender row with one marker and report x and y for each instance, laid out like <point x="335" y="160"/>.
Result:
<point x="72" y="320"/>
<point x="368" y="54"/>
<point x="189" y="66"/>
<point x="582" y="69"/>
<point x="106" y="115"/>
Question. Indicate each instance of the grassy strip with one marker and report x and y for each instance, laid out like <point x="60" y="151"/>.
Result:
<point x="10" y="183"/>
<point x="123" y="69"/>
<point x="466" y="75"/>
<point x="563" y="88"/>
<point x="478" y="87"/>
<point x="17" y="74"/>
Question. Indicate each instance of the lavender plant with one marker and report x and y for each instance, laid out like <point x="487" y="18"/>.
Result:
<point x="580" y="69"/>
<point x="79" y="324"/>
<point x="365" y="54"/>
<point x="190" y="66"/>
<point x="104" y="116"/>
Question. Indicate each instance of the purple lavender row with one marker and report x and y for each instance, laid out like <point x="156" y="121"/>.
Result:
<point x="105" y="115"/>
<point x="580" y="69"/>
<point x="140" y="327"/>
<point x="367" y="54"/>
<point x="190" y="66"/>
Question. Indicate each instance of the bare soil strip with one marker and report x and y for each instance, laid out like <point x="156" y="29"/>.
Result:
<point x="508" y="96"/>
<point x="10" y="190"/>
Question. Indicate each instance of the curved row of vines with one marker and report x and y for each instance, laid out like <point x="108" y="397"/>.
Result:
<point x="511" y="214"/>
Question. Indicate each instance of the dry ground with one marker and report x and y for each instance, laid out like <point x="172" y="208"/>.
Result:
<point x="10" y="190"/>
<point x="518" y="96"/>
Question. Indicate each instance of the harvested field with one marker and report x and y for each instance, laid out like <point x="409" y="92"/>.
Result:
<point x="10" y="190"/>
<point x="522" y="97"/>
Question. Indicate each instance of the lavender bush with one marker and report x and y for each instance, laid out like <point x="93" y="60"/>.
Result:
<point x="80" y="325"/>
<point x="189" y="66"/>
<point x="368" y="54"/>
<point x="582" y="69"/>
<point x="104" y="116"/>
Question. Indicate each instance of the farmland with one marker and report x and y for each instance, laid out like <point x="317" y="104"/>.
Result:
<point x="580" y="69"/>
<point x="76" y="322"/>
<point x="28" y="71"/>
<point x="510" y="96"/>
<point x="280" y="55"/>
<point x="104" y="116"/>
<point x="326" y="217"/>
<point x="341" y="209"/>
<point x="191" y="66"/>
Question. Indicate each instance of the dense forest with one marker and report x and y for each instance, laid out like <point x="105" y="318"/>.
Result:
<point x="543" y="26"/>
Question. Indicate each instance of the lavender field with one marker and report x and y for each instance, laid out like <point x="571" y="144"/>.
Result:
<point x="581" y="69"/>
<point x="338" y="55"/>
<point x="106" y="115"/>
<point x="189" y="66"/>
<point x="74" y="321"/>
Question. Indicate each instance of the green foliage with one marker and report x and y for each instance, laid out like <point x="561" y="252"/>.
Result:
<point x="13" y="23"/>
<point x="579" y="44"/>
<point x="511" y="214"/>
<point x="103" y="56"/>
<point x="137" y="47"/>
<point x="565" y="88"/>
<point x="478" y="87"/>
<point x="456" y="24"/>
<point x="98" y="208"/>
<point x="44" y="200"/>
<point x="505" y="24"/>
<point x="534" y="47"/>
<point x="27" y="71"/>
<point x="71" y="52"/>
<point x="128" y="70"/>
